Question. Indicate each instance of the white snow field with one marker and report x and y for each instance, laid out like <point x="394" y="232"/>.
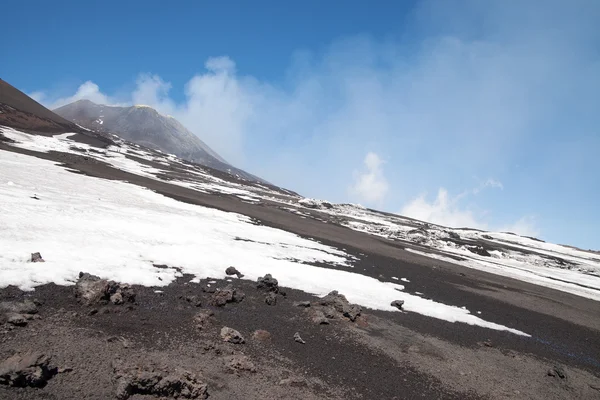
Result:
<point x="119" y="230"/>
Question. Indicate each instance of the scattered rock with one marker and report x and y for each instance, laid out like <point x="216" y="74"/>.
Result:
<point x="232" y="336"/>
<point x="261" y="335"/>
<point x="239" y="362"/>
<point x="156" y="381"/>
<point x="91" y="289"/>
<point x="488" y="237"/>
<point x="16" y="319"/>
<point x="557" y="371"/>
<point x="267" y="283"/>
<point x="453" y="235"/>
<point x="24" y="307"/>
<point x="202" y="318"/>
<point x="298" y="339"/>
<point x="36" y="257"/>
<point x="319" y="318"/>
<point x="209" y="289"/>
<point x="30" y="369"/>
<point x="398" y="304"/>
<point x="294" y="381"/>
<point x="271" y="299"/>
<point x="340" y="304"/>
<point x="228" y="294"/>
<point x="302" y="304"/>
<point x="194" y="300"/>
<point x="488" y="343"/>
<point x="233" y="271"/>
<point x="478" y="250"/>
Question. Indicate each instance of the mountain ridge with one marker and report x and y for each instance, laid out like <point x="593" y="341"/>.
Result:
<point x="146" y="126"/>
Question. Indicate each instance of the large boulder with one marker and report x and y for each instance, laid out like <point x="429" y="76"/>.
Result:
<point x="156" y="381"/>
<point x="91" y="290"/>
<point x="30" y="369"/>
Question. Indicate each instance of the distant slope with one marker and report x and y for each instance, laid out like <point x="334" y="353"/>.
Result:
<point x="146" y="126"/>
<point x="20" y="111"/>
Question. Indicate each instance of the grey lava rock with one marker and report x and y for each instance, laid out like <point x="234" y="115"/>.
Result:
<point x="132" y="380"/>
<point x="398" y="304"/>
<point x="225" y="295"/>
<point x="271" y="299"/>
<point x="267" y="283"/>
<point x="298" y="339"/>
<point x="16" y="319"/>
<point x="19" y="307"/>
<point x="239" y="362"/>
<point x="340" y="304"/>
<point x="91" y="290"/>
<point x="233" y="271"/>
<point x="36" y="257"/>
<point x="30" y="369"/>
<point x="231" y="335"/>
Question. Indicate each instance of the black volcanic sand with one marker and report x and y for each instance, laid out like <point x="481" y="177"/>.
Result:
<point x="382" y="355"/>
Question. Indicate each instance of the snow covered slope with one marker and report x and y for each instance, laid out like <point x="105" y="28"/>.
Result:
<point x="125" y="232"/>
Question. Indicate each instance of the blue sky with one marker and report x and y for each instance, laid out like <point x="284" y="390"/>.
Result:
<point x="464" y="113"/>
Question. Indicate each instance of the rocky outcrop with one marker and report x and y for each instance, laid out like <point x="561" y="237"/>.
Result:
<point x="157" y="381"/>
<point x="340" y="304"/>
<point x="319" y="318"/>
<point x="92" y="290"/>
<point x="30" y="369"/>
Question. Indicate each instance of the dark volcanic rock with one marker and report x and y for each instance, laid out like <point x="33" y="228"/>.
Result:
<point x="340" y="304"/>
<point x="36" y="257"/>
<point x="398" y="304"/>
<point x="157" y="381"/>
<point x="453" y="235"/>
<point x="234" y="271"/>
<point x="231" y="335"/>
<point x="91" y="289"/>
<point x="30" y="369"/>
<point x="557" y="371"/>
<point x="228" y="294"/>
<point x="267" y="283"/>
<point x="271" y="299"/>
<point x="302" y="304"/>
<point x="478" y="250"/>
